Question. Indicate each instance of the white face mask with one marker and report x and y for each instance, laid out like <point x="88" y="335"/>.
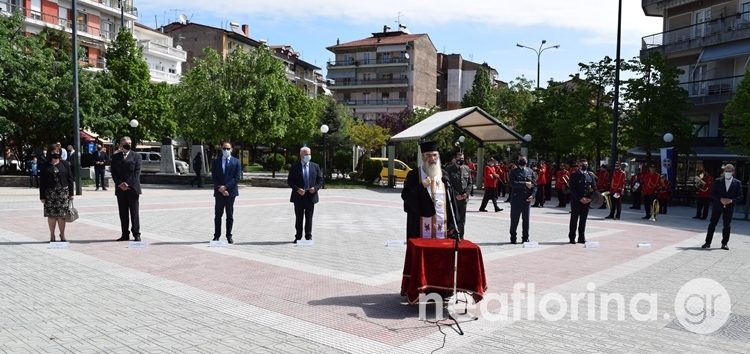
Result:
<point x="728" y="175"/>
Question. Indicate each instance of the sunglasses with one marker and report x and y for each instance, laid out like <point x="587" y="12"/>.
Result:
<point x="227" y="149"/>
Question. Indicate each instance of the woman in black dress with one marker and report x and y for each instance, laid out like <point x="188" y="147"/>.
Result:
<point x="55" y="190"/>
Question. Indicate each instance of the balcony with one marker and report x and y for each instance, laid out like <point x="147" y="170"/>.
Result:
<point x="161" y="76"/>
<point x="367" y="62"/>
<point x="657" y="7"/>
<point x="164" y="50"/>
<point x="712" y="91"/>
<point x="113" y="7"/>
<point x="45" y="20"/>
<point x="93" y="65"/>
<point x="344" y="83"/>
<point x="704" y="34"/>
<point x="387" y="102"/>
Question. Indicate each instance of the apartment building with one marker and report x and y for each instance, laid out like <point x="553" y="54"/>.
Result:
<point x="299" y="72"/>
<point x="194" y="37"/>
<point x="98" y="21"/>
<point x="387" y="72"/>
<point x="455" y="78"/>
<point x="163" y="58"/>
<point x="710" y="41"/>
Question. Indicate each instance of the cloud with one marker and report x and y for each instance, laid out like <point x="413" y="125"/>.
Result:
<point x="595" y="19"/>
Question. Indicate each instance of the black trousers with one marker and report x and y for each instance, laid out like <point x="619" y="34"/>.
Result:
<point x="703" y="205"/>
<point x="539" y="198"/>
<point x="223" y="204"/>
<point x="519" y="209"/>
<point x="502" y="187"/>
<point x="719" y="211"/>
<point x="489" y="194"/>
<point x="648" y="201"/>
<point x="562" y="198"/>
<point x="34" y="181"/>
<point x="197" y="179"/>
<point x="99" y="177"/>
<point x="127" y="205"/>
<point x="616" y="207"/>
<point x="303" y="210"/>
<point x="548" y="191"/>
<point x="579" y="212"/>
<point x="461" y="217"/>
<point x="637" y="199"/>
<point x="663" y="206"/>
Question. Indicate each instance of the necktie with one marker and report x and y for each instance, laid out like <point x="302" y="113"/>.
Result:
<point x="225" y="165"/>
<point x="305" y="175"/>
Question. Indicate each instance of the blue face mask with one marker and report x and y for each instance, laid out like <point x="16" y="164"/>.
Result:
<point x="306" y="158"/>
<point x="226" y="153"/>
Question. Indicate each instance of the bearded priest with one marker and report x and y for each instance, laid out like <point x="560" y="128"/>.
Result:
<point x="425" y="196"/>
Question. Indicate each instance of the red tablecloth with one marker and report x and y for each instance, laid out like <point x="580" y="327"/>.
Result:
<point x="428" y="267"/>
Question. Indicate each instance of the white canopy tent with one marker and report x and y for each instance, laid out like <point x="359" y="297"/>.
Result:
<point x="473" y="121"/>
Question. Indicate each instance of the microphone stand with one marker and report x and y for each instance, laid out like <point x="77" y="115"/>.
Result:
<point x="457" y="238"/>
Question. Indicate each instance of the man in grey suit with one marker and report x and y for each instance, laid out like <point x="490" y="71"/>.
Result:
<point x="726" y="191"/>
<point x="305" y="179"/>
<point x="226" y="173"/>
<point x="126" y="173"/>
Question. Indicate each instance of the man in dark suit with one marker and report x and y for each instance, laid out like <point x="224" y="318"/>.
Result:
<point x="522" y="182"/>
<point x="726" y="191"/>
<point x="305" y="179"/>
<point x="426" y="198"/>
<point x="126" y="173"/>
<point x="100" y="162"/>
<point x="226" y="173"/>
<point x="582" y="188"/>
<point x="460" y="177"/>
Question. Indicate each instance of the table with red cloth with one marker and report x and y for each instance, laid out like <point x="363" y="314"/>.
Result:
<point x="428" y="267"/>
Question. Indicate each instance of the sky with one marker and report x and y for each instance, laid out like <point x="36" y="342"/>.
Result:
<point x="481" y="31"/>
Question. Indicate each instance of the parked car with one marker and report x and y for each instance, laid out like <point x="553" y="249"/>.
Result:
<point x="400" y="169"/>
<point x="152" y="163"/>
<point x="8" y="166"/>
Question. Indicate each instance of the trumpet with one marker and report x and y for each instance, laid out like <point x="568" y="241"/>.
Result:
<point x="607" y="199"/>
<point x="654" y="209"/>
<point x="699" y="183"/>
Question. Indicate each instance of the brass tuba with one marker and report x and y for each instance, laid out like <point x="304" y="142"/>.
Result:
<point x="607" y="199"/>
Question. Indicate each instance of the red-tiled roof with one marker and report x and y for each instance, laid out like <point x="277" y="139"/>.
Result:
<point x="379" y="40"/>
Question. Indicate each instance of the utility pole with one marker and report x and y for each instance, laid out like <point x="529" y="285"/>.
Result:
<point x="76" y="120"/>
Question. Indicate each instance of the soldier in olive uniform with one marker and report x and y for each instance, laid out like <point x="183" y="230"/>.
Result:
<point x="460" y="177"/>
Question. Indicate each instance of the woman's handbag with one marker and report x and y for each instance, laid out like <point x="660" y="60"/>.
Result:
<point x="72" y="214"/>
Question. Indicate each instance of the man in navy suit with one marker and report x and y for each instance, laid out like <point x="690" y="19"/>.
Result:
<point x="126" y="173"/>
<point x="305" y="180"/>
<point x="726" y="191"/>
<point x="226" y="173"/>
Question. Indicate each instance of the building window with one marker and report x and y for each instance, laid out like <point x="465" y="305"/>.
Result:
<point x="62" y="15"/>
<point x="83" y="22"/>
<point x="402" y="95"/>
<point x="172" y="71"/>
<point x="366" y="97"/>
<point x="702" y="27"/>
<point x="386" y="58"/>
<point x="347" y="97"/>
<point x="366" y="58"/>
<point x="700" y="129"/>
<point x="36" y="9"/>
<point x="746" y="12"/>
<point x="348" y="59"/>
<point x="366" y="76"/>
<point x="385" y="96"/>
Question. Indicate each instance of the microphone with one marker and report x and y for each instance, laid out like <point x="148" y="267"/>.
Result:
<point x="451" y="200"/>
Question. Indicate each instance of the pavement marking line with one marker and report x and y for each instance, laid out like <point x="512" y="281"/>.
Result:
<point x="377" y="280"/>
<point x="260" y="316"/>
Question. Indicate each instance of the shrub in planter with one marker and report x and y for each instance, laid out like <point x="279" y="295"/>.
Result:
<point x="371" y="170"/>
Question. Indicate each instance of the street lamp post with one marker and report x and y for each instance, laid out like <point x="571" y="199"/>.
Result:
<point x="324" y="130"/>
<point x="524" y="145"/>
<point x="134" y="125"/>
<point x="76" y="118"/>
<point x="538" y="56"/>
<point x="616" y="105"/>
<point x="460" y="143"/>
<point x="507" y="156"/>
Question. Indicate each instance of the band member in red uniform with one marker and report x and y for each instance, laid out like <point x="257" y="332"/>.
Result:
<point x="616" y="190"/>
<point x="490" y="186"/>
<point x="602" y="182"/>
<point x="650" y="182"/>
<point x="562" y="177"/>
<point x="550" y="176"/>
<point x="473" y="173"/>
<point x="703" y="190"/>
<point x="541" y="187"/>
<point x="499" y="173"/>
<point x="663" y="193"/>
<point x="636" y="183"/>
<point x="502" y="171"/>
<point x="509" y="167"/>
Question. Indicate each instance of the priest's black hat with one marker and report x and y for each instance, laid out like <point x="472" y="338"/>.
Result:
<point x="428" y="146"/>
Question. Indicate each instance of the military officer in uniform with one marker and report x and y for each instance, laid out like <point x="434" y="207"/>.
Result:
<point x="460" y="177"/>
<point x="522" y="182"/>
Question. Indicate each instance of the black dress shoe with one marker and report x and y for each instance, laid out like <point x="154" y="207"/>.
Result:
<point x="308" y="238"/>
<point x="645" y="218"/>
<point x="123" y="238"/>
<point x="572" y="242"/>
<point x="229" y="239"/>
<point x="216" y="238"/>
<point x="137" y="238"/>
<point x="499" y="209"/>
<point x="525" y="240"/>
<point x="295" y="241"/>
<point x="513" y="242"/>
<point x="581" y="241"/>
<point x="483" y="210"/>
<point x="705" y="245"/>
<point x="609" y="217"/>
<point x="104" y="189"/>
<point x="725" y="247"/>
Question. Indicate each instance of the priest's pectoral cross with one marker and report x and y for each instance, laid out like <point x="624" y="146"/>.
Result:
<point x="427" y="226"/>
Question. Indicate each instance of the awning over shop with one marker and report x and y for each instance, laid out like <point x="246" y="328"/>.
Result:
<point x="87" y="136"/>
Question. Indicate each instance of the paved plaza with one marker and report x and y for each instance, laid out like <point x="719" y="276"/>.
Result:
<point x="265" y="295"/>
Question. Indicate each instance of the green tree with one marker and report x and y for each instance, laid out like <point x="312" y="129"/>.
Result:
<point x="369" y="136"/>
<point x="480" y="94"/>
<point x="654" y="106"/>
<point x="511" y="102"/>
<point x="128" y="76"/>
<point x="736" y="119"/>
<point x="598" y="83"/>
